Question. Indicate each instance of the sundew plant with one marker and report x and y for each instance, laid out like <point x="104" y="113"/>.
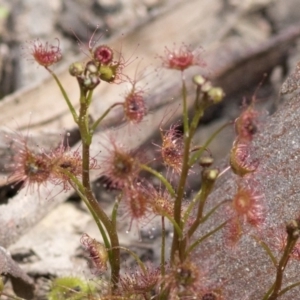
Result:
<point x="178" y="275"/>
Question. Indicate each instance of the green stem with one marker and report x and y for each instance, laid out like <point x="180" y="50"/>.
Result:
<point x="80" y="190"/>
<point x="163" y="246"/>
<point x="65" y="95"/>
<point x="197" y="242"/>
<point x="83" y="122"/>
<point x="212" y="211"/>
<point x="185" y="110"/>
<point x="172" y="221"/>
<point x="108" y="224"/>
<point x="205" y="191"/>
<point x="268" y="293"/>
<point x="159" y="176"/>
<point x="289" y="287"/>
<point x="115" y="210"/>
<point x="136" y="257"/>
<point x="111" y="230"/>
<point x="267" y="249"/>
<point x="191" y="206"/>
<point x="198" y="153"/>
<point x="193" y="203"/>
<point x="291" y="242"/>
<point x="89" y="97"/>
<point x="189" y="131"/>
<point x="99" y="120"/>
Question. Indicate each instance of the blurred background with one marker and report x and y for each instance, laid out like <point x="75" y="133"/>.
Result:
<point x="249" y="46"/>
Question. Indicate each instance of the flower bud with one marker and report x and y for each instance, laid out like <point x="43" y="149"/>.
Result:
<point x="108" y="73"/>
<point x="210" y="175"/>
<point x="206" y="161"/>
<point x="91" y="67"/>
<point x="199" y="79"/>
<point x="292" y="228"/>
<point x="76" y="69"/>
<point x="206" y="87"/>
<point x="45" y="54"/>
<point x="103" y="54"/>
<point x="296" y="234"/>
<point x="91" y="81"/>
<point x="216" y="94"/>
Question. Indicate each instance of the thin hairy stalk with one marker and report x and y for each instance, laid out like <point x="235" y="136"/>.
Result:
<point x="189" y="131"/>
<point x="289" y="287"/>
<point x="77" y="185"/>
<point x="199" y="152"/>
<point x="172" y="221"/>
<point x="111" y="230"/>
<point x="191" y="206"/>
<point x="291" y="242"/>
<point x="184" y="102"/>
<point x="65" y="95"/>
<point x="89" y="97"/>
<point x="163" y="246"/>
<point x="207" y="186"/>
<point x="268" y="293"/>
<point x="115" y="210"/>
<point x="136" y="257"/>
<point x="99" y="120"/>
<point x="267" y="249"/>
<point x="101" y="228"/>
<point x="199" y="241"/>
<point x="159" y="176"/>
<point x="212" y="211"/>
<point x="83" y="123"/>
<point x="179" y="198"/>
<point x="198" y="97"/>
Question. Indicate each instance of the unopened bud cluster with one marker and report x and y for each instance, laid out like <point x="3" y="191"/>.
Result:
<point x="212" y="95"/>
<point x="100" y="67"/>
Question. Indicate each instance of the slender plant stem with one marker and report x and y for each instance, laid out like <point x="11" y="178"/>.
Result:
<point x="163" y="246"/>
<point x="267" y="249"/>
<point x="212" y="211"/>
<point x="80" y="190"/>
<point x="268" y="293"/>
<point x="115" y="252"/>
<point x="181" y="187"/>
<point x="291" y="242"/>
<point x="191" y="206"/>
<point x="110" y="228"/>
<point x="199" y="152"/>
<point x="159" y="176"/>
<point x="99" y="120"/>
<point x="65" y="95"/>
<point x="197" y="242"/>
<point x="115" y="210"/>
<point x="189" y="131"/>
<point x="289" y="287"/>
<point x="136" y="257"/>
<point x="206" y="189"/>
<point x="184" y="102"/>
<point x="89" y="97"/>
